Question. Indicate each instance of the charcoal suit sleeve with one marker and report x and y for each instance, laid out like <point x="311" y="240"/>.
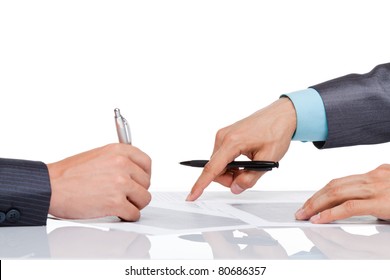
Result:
<point x="357" y="108"/>
<point x="24" y="193"/>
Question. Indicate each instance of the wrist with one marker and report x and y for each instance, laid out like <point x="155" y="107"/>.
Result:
<point x="54" y="174"/>
<point x="288" y="115"/>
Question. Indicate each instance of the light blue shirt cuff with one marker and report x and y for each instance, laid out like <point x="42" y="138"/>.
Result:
<point x="311" y="116"/>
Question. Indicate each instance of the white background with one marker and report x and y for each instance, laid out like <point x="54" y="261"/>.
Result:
<point x="179" y="71"/>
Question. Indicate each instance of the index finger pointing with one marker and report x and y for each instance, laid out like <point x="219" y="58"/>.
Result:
<point x="212" y="170"/>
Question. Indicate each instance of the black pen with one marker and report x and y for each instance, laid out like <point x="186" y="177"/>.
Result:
<point x="247" y="165"/>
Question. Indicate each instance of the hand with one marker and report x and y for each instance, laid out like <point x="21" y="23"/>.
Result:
<point x="256" y="244"/>
<point x="108" y="181"/>
<point x="265" y="135"/>
<point x="366" y="194"/>
<point x="335" y="243"/>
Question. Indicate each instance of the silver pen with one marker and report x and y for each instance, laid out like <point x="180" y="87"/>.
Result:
<point x="122" y="128"/>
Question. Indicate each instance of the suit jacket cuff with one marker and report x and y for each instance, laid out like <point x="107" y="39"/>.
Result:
<point x="25" y="192"/>
<point x="357" y="108"/>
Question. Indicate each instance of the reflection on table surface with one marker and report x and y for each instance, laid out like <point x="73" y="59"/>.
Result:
<point x="79" y="242"/>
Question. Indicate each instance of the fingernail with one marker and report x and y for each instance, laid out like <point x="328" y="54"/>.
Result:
<point x="300" y="214"/>
<point x="315" y="218"/>
<point x="190" y="197"/>
<point x="236" y="189"/>
<point x="194" y="195"/>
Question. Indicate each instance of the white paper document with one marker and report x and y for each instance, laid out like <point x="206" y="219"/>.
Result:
<point x="169" y="213"/>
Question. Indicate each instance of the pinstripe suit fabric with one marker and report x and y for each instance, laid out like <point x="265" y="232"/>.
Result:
<point x="25" y="186"/>
<point x="357" y="108"/>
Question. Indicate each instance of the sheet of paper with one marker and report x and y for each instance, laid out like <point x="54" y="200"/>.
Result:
<point x="169" y="213"/>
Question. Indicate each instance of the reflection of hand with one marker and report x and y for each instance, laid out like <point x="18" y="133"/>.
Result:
<point x="109" y="181"/>
<point x="265" y="135"/>
<point x="259" y="244"/>
<point x="366" y="194"/>
<point x="84" y="242"/>
<point x="335" y="243"/>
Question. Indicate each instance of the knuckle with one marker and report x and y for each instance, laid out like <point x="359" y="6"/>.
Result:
<point x="131" y="214"/>
<point x="384" y="166"/>
<point x="210" y="169"/>
<point x="380" y="171"/>
<point x="309" y="207"/>
<point x="134" y="215"/>
<point x="144" y="181"/>
<point x="148" y="183"/>
<point x="232" y="138"/>
<point x="332" y="183"/>
<point x="220" y="135"/>
<point x="327" y="215"/>
<point x="350" y="206"/>
<point x="112" y="147"/>
<point x="115" y="201"/>
<point x="147" y="199"/>
<point x="120" y="162"/>
<point x="245" y="182"/>
<point x="148" y="162"/>
<point x="369" y="191"/>
<point x="120" y="181"/>
<point x="335" y="191"/>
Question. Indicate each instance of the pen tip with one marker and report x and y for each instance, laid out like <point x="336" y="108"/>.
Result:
<point x="117" y="112"/>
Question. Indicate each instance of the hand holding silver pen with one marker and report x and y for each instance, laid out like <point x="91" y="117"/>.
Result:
<point x="122" y="128"/>
<point x="112" y="180"/>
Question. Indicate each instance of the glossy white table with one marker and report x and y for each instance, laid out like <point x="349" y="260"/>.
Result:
<point x="59" y="240"/>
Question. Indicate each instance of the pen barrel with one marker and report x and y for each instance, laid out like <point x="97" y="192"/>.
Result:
<point x="122" y="131"/>
<point x="245" y="165"/>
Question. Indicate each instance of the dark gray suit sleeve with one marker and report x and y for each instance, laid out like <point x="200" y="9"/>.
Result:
<point x="24" y="193"/>
<point x="357" y="108"/>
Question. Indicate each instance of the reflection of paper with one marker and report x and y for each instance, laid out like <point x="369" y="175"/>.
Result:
<point x="157" y="220"/>
<point x="159" y="217"/>
<point x="169" y="213"/>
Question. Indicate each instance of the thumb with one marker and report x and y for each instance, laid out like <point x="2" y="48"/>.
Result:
<point x="244" y="181"/>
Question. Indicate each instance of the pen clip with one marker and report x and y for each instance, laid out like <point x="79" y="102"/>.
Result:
<point x="127" y="130"/>
<point x="122" y="127"/>
<point x="253" y="165"/>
